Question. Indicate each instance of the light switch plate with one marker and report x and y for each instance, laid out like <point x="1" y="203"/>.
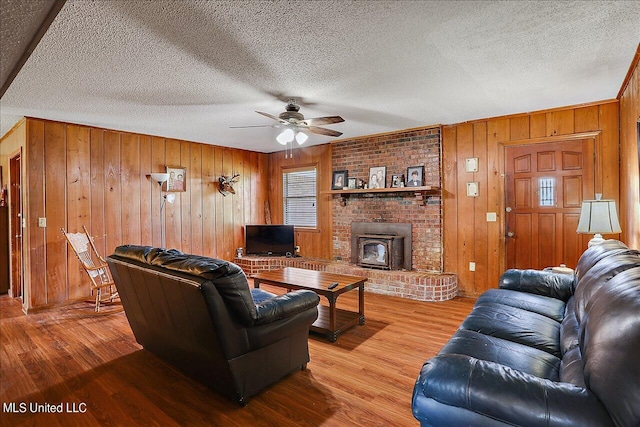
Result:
<point x="42" y="222"/>
<point x="472" y="266"/>
<point x="492" y="217"/>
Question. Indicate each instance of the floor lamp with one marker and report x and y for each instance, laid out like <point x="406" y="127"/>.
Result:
<point x="161" y="178"/>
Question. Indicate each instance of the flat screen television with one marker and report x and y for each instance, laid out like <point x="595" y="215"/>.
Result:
<point x="273" y="240"/>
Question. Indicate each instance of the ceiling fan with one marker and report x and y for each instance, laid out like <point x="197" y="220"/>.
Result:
<point x="295" y="124"/>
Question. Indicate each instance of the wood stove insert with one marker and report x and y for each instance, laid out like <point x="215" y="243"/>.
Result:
<point x="381" y="251"/>
<point x="373" y="242"/>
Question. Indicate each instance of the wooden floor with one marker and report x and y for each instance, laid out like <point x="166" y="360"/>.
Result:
<point x="92" y="364"/>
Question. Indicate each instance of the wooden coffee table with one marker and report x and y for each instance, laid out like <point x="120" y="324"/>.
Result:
<point x="331" y="321"/>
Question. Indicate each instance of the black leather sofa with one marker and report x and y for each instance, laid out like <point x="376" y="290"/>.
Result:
<point x="544" y="349"/>
<point x="200" y="315"/>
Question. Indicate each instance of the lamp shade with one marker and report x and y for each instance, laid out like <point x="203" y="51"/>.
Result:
<point x="160" y="177"/>
<point x="598" y="217"/>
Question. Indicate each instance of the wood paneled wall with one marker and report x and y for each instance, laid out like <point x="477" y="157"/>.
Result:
<point x="79" y="175"/>
<point x="629" y="153"/>
<point x="468" y="237"/>
<point x="314" y="243"/>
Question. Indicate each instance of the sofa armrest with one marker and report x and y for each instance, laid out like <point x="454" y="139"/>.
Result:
<point x="285" y="305"/>
<point x="508" y="395"/>
<point x="546" y="283"/>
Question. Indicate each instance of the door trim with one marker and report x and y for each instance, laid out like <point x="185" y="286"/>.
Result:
<point x="555" y="138"/>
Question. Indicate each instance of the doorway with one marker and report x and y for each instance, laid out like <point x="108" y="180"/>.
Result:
<point x="546" y="183"/>
<point x="15" y="225"/>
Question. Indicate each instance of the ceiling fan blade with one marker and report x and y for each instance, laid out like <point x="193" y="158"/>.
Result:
<point x="250" y="126"/>
<point x="278" y="119"/>
<point x="323" y="131"/>
<point x="323" y="120"/>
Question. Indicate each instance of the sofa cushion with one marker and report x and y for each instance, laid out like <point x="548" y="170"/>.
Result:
<point x="610" y="346"/>
<point x="515" y="324"/>
<point x="598" y="276"/>
<point x="552" y="308"/>
<point x="201" y="266"/>
<point x="538" y="282"/>
<point x="457" y="390"/>
<point x="515" y="355"/>
<point x="597" y="252"/>
<point x="136" y="252"/>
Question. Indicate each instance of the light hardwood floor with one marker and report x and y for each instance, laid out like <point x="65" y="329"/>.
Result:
<point x="68" y="355"/>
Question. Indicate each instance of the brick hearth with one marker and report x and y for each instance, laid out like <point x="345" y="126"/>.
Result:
<point x="421" y="286"/>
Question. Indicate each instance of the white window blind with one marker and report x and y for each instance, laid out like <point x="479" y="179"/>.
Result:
<point x="299" y="195"/>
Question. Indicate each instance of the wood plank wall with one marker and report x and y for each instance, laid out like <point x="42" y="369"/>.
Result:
<point x="313" y="243"/>
<point x="468" y="237"/>
<point x="629" y="153"/>
<point x="79" y="175"/>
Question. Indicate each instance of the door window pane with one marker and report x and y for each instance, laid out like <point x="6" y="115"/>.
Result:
<point x="547" y="193"/>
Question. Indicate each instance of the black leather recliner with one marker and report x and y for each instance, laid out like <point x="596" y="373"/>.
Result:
<point x="200" y="315"/>
<point x="544" y="350"/>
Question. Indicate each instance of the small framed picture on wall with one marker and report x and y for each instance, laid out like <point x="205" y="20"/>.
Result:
<point x="378" y="177"/>
<point x="177" y="179"/>
<point x="415" y="176"/>
<point x="352" y="183"/>
<point x="339" y="180"/>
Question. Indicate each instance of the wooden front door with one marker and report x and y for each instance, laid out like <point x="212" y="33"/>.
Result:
<point x="546" y="184"/>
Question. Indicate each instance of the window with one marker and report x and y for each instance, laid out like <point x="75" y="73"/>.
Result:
<point x="299" y="197"/>
<point x="547" y="192"/>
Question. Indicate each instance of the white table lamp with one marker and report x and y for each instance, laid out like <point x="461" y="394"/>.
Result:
<point x="598" y="217"/>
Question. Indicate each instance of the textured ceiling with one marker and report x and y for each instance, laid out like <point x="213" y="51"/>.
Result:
<point x="19" y="21"/>
<point x="191" y="69"/>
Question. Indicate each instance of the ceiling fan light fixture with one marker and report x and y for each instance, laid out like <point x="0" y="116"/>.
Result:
<point x="285" y="136"/>
<point x="301" y="137"/>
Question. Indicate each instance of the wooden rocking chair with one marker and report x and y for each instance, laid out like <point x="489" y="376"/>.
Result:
<point x="95" y="266"/>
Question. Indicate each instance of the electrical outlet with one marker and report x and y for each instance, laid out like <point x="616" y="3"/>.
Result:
<point x="472" y="266"/>
<point x="42" y="222"/>
<point x="492" y="217"/>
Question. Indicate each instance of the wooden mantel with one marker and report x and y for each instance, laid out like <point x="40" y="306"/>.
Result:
<point x="420" y="193"/>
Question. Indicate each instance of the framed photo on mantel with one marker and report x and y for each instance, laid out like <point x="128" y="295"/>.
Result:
<point x="378" y="177"/>
<point x="415" y="176"/>
<point x="339" y="180"/>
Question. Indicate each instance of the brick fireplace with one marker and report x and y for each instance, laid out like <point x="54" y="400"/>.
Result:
<point x="420" y="147"/>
